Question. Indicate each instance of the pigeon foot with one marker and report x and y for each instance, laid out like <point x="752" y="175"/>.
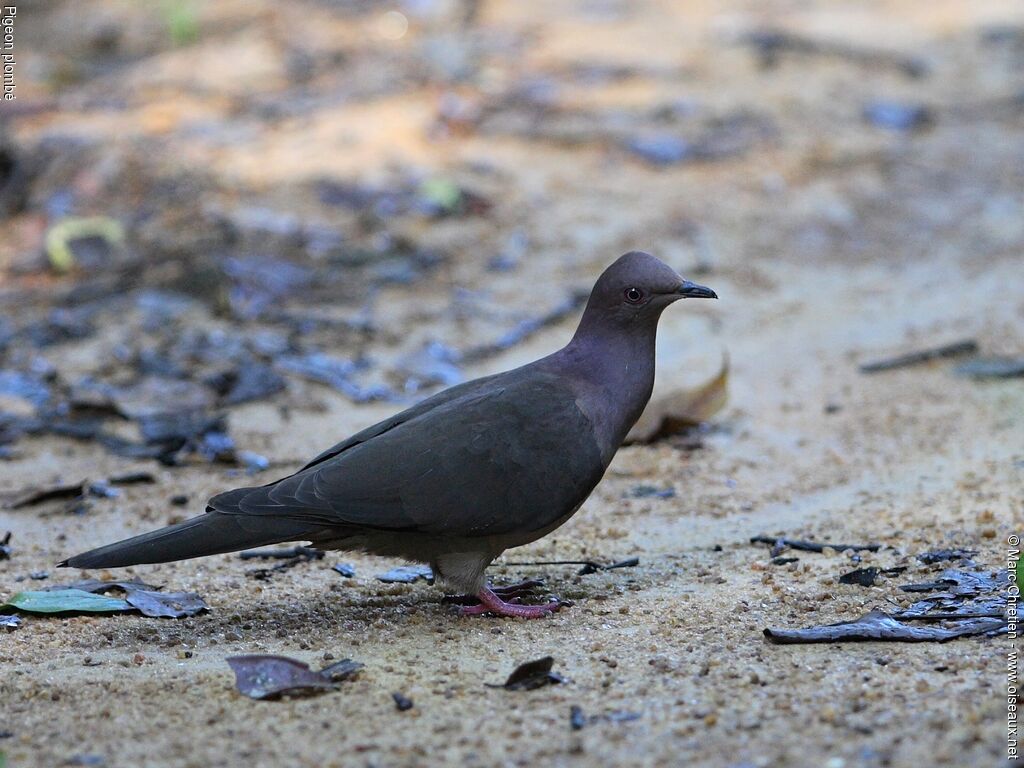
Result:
<point x="490" y="602"/>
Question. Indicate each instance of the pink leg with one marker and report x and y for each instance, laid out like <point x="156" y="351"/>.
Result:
<point x="517" y="590"/>
<point x="492" y="603"/>
<point x="509" y="593"/>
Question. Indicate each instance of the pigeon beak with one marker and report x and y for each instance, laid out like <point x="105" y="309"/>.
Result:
<point x="690" y="290"/>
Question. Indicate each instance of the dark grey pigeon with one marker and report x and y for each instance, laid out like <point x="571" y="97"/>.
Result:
<point x="468" y="473"/>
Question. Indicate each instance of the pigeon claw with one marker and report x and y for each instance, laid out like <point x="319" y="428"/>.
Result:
<point x="493" y="604"/>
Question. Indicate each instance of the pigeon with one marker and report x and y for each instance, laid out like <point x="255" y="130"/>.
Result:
<point x="454" y="481"/>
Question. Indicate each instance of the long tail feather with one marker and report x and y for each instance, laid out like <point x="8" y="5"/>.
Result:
<point x="211" y="534"/>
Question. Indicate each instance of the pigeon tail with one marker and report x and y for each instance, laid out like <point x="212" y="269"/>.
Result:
<point x="213" y="533"/>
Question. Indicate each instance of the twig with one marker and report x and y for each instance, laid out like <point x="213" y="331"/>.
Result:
<point x="954" y="349"/>
<point x="589" y="566"/>
<point x="780" y="544"/>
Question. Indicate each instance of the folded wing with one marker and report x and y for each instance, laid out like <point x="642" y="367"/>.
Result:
<point x="469" y="466"/>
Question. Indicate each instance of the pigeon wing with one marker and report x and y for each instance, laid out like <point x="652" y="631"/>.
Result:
<point x="514" y="457"/>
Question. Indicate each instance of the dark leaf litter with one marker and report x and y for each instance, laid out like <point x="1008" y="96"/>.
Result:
<point x="897" y="116"/>
<point x="962" y="583"/>
<point x="289" y="557"/>
<point x="531" y="675"/>
<point x="866" y="577"/>
<point x="265" y="677"/>
<point x="77" y="493"/>
<point x="402" y="702"/>
<point x="772" y="44"/>
<point x="962" y="604"/>
<point x="578" y="719"/>
<point x="407" y="574"/>
<point x="878" y="625"/>
<point x="651" y="492"/>
<point x="942" y="555"/>
<point x="174" y="382"/>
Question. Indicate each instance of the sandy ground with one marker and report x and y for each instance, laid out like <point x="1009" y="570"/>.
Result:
<point x="829" y="243"/>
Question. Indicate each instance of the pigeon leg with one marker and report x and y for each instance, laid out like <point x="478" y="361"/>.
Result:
<point x="492" y="603"/>
<point x="510" y="593"/>
<point x="517" y="590"/>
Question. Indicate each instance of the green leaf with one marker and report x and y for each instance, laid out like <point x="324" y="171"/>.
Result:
<point x="65" y="600"/>
<point x="60" y="236"/>
<point x="182" y="22"/>
<point x="1020" y="571"/>
<point x="442" y="194"/>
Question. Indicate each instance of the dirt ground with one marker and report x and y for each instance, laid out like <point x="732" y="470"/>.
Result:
<point x="829" y="240"/>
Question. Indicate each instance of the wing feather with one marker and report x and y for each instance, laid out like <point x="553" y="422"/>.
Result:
<point x="514" y="456"/>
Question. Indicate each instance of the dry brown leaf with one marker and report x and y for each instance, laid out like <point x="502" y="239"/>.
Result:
<point x="682" y="408"/>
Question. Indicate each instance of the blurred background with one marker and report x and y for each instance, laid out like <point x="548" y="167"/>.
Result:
<point x="233" y="232"/>
<point x="377" y="196"/>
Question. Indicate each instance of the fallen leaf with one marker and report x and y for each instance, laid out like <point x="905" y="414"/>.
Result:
<point x="406" y="574"/>
<point x="962" y="582"/>
<point x="992" y="368"/>
<point x="864" y="577"/>
<point x="878" y="625"/>
<point x="32" y="496"/>
<point x="579" y="720"/>
<point x="894" y="116"/>
<point x="61" y="235"/>
<point x="174" y="605"/>
<point x="939" y="555"/>
<point x="261" y="676"/>
<point x="403" y="702"/>
<point x="248" y="382"/>
<point x="341" y="670"/>
<point x="681" y="409"/>
<point x="531" y="675"/>
<point x="66" y="601"/>
<point x="944" y="606"/>
<point x="652" y="492"/>
<point x="145" y="598"/>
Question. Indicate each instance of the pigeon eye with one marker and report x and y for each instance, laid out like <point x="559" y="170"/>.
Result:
<point x="634" y="295"/>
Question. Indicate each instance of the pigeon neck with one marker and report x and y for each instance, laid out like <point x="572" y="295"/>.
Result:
<point x="615" y="363"/>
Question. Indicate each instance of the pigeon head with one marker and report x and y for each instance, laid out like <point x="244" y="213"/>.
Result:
<point x="637" y="287"/>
